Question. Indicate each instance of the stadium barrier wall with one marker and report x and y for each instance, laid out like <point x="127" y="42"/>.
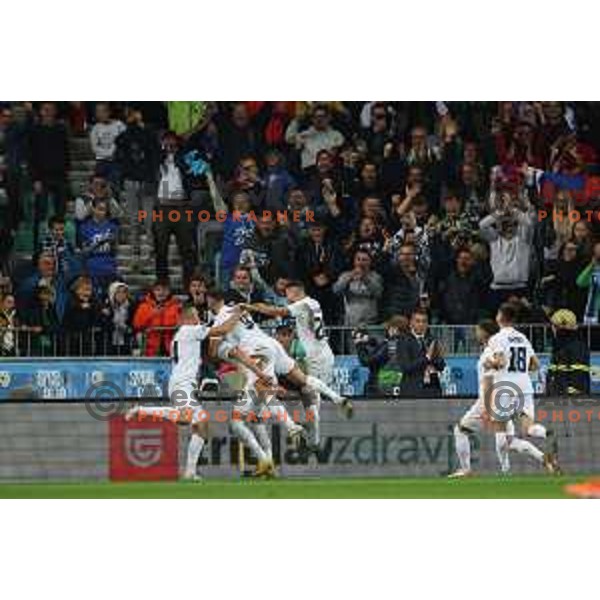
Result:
<point x="69" y="378"/>
<point x="386" y="437"/>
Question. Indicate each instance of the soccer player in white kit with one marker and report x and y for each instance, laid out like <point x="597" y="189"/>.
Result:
<point x="475" y="418"/>
<point x="275" y="360"/>
<point x="309" y="324"/>
<point x="184" y="393"/>
<point x="515" y="359"/>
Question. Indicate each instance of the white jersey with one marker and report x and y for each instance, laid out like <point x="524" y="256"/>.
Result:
<point x="186" y="354"/>
<point x="254" y="341"/>
<point x="309" y="325"/>
<point x="246" y="333"/>
<point x="482" y="370"/>
<point x="517" y="352"/>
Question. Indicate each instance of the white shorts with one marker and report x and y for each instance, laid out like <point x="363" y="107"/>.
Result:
<point x="529" y="406"/>
<point x="320" y="365"/>
<point x="473" y="419"/>
<point x="282" y="361"/>
<point x="273" y="360"/>
<point x="185" y="397"/>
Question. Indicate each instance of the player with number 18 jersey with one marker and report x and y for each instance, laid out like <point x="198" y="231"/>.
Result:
<point x="517" y="353"/>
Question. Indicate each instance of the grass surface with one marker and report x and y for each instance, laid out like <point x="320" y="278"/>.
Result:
<point x="476" y="487"/>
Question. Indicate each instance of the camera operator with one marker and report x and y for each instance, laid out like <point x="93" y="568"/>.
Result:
<point x="381" y="355"/>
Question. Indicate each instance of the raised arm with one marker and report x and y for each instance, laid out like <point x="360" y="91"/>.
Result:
<point x="215" y="194"/>
<point x="487" y="228"/>
<point x="227" y="326"/>
<point x="267" y="309"/>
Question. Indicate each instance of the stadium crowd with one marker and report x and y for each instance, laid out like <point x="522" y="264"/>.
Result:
<point x="431" y="207"/>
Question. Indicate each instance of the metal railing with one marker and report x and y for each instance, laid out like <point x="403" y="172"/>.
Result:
<point x="457" y="340"/>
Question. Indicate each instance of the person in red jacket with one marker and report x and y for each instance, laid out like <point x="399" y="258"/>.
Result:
<point x="156" y="317"/>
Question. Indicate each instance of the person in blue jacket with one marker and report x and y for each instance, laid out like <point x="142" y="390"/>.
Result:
<point x="97" y="239"/>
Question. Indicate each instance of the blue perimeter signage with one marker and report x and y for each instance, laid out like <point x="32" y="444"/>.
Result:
<point x="143" y="377"/>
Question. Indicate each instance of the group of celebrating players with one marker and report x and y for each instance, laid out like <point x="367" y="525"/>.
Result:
<point x="229" y="333"/>
<point x="505" y="403"/>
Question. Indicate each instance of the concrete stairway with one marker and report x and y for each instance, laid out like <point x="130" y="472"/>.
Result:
<point x="138" y="273"/>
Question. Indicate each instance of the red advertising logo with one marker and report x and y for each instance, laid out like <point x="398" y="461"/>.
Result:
<point x="143" y="451"/>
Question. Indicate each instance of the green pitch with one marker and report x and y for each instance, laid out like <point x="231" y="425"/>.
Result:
<point x="476" y="487"/>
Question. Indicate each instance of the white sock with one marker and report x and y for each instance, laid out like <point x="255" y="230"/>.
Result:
<point x="525" y="447"/>
<point x="322" y="387"/>
<point x="536" y="430"/>
<point x="463" y="448"/>
<point x="195" y="446"/>
<point x="244" y="435"/>
<point x="262" y="435"/>
<point x="311" y="401"/>
<point x="502" y="450"/>
<point x="313" y="422"/>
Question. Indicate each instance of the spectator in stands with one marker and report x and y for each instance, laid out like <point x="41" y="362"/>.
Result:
<point x="103" y="137"/>
<point x="319" y="253"/>
<point x="581" y="235"/>
<point x="100" y="189"/>
<point x="116" y="321"/>
<point x="267" y="249"/>
<point x="156" y="318"/>
<point x="243" y="284"/>
<point x="82" y="320"/>
<point x="278" y="181"/>
<point x="56" y="244"/>
<point x="320" y="135"/>
<point x="8" y="325"/>
<point x="325" y="171"/>
<point x="13" y="152"/>
<point x="456" y="228"/>
<point x="509" y="232"/>
<point x="137" y="157"/>
<point x="560" y="283"/>
<point x="297" y="200"/>
<point x="589" y="279"/>
<point x="97" y="236"/>
<point x="361" y="289"/>
<point x="43" y="333"/>
<point x="247" y="178"/>
<point x="403" y="287"/>
<point x="380" y="130"/>
<point x="48" y="165"/>
<point x="196" y="294"/>
<point x="237" y="138"/>
<point x="370" y="239"/>
<point x="45" y="275"/>
<point x="237" y="230"/>
<point x="173" y="198"/>
<point x="420" y="360"/>
<point x="461" y="293"/>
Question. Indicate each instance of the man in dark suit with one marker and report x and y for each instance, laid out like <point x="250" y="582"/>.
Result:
<point x="420" y="359"/>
